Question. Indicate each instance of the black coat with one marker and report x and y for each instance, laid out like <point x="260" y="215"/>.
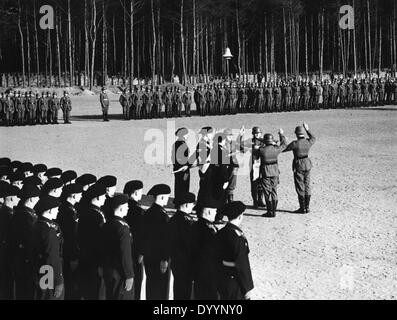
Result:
<point x="135" y="220"/>
<point x="68" y="222"/>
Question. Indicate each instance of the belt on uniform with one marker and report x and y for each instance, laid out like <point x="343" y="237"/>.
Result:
<point x="271" y="163"/>
<point x="301" y="158"/>
<point x="229" y="264"/>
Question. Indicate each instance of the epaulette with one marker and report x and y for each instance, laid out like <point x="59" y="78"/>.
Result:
<point x="239" y="233"/>
<point x="125" y="224"/>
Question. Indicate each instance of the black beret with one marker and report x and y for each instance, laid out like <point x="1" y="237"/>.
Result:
<point x="108" y="181"/>
<point x="17" y="176"/>
<point x="26" y="166"/>
<point x="72" y="189"/>
<point x="46" y="203"/>
<point x="3" y="187"/>
<point x="29" y="191"/>
<point x="118" y="200"/>
<point x="234" y="209"/>
<point x="185" y="198"/>
<point x="5" y="161"/>
<point x="32" y="181"/>
<point x="132" y="186"/>
<point x="39" y="168"/>
<point x="5" y="171"/>
<point x="11" y="191"/>
<point x="53" y="183"/>
<point x="53" y="172"/>
<point x="16" y="164"/>
<point x="159" y="189"/>
<point x="86" y="179"/>
<point x="68" y="176"/>
<point x="206" y="130"/>
<point x="96" y="190"/>
<point x="181" y="132"/>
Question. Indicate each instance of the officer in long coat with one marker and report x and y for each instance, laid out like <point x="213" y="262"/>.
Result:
<point x="104" y="99"/>
<point x="66" y="106"/>
<point x="180" y="242"/>
<point x="180" y="159"/>
<point x="302" y="166"/>
<point x="235" y="278"/>
<point x="270" y="171"/>
<point x="118" y="271"/>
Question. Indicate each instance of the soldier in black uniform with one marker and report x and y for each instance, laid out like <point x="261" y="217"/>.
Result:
<point x="86" y="180"/>
<point x="10" y="194"/>
<point x="180" y="160"/>
<point x="135" y="220"/>
<point x="68" y="177"/>
<point x="103" y="97"/>
<point x="180" y="241"/>
<point x="53" y="187"/>
<point x="48" y="241"/>
<point x="39" y="170"/>
<point x="21" y="242"/>
<point x="270" y="171"/>
<point x="110" y="183"/>
<point x="301" y="166"/>
<point x="68" y="222"/>
<point x="155" y="250"/>
<point x="91" y="220"/>
<point x="205" y="268"/>
<point x="118" y="271"/>
<point x="235" y="279"/>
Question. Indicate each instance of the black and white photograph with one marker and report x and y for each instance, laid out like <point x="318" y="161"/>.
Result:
<point x="207" y="150"/>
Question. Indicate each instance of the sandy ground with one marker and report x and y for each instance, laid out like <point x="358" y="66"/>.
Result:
<point x="344" y="249"/>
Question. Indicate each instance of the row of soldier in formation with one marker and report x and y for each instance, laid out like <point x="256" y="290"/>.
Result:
<point x="216" y="158"/>
<point x="18" y="109"/>
<point x="232" y="98"/>
<point x="69" y="237"/>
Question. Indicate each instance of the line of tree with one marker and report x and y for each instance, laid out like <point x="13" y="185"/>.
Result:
<point x="158" y="38"/>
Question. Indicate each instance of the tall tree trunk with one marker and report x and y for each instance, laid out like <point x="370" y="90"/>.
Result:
<point x="238" y="38"/>
<point x="58" y="46"/>
<point x="369" y="37"/>
<point x="28" y="47"/>
<point x="132" y="43"/>
<point x="22" y="42"/>
<point x="285" y="46"/>
<point x="93" y="40"/>
<point x="114" y="46"/>
<point x="50" y="55"/>
<point x="194" y="37"/>
<point x="104" y="58"/>
<point x="36" y="40"/>
<point x="321" y="43"/>
<point x="86" y="46"/>
<point x="183" y="46"/>
<point x="154" y="42"/>
<point x="272" y="58"/>
<point x="70" y="44"/>
<point x="354" y="46"/>
<point x="266" y="47"/>
<point x="125" y="59"/>
<point x="306" y="55"/>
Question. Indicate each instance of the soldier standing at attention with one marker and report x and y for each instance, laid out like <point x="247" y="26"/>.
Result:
<point x="118" y="271"/>
<point x="180" y="160"/>
<point x="270" y="171"/>
<point x="180" y="235"/>
<point x="66" y="106"/>
<point x="124" y="103"/>
<point x="8" y="108"/>
<point x="157" y="103"/>
<point x="135" y="219"/>
<point x="167" y="98"/>
<point x="55" y="105"/>
<point x="11" y="195"/>
<point x="91" y="220"/>
<point x="187" y="102"/>
<point x="178" y="102"/>
<point x="204" y="253"/>
<point x="156" y="254"/>
<point x="68" y="222"/>
<point x="32" y="109"/>
<point x="2" y="100"/>
<point x="20" y="109"/>
<point x="48" y="248"/>
<point x="235" y="278"/>
<point x="49" y="109"/>
<point x="301" y="166"/>
<point x="103" y="97"/>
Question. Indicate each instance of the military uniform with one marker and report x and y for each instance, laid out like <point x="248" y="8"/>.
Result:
<point x="105" y="105"/>
<point x="54" y="106"/>
<point x="117" y="258"/>
<point x="139" y="103"/>
<point x="235" y="278"/>
<point x="301" y="167"/>
<point x="6" y="278"/>
<point x="187" y="102"/>
<point x="268" y="155"/>
<point x="157" y="103"/>
<point x="124" y="104"/>
<point x="9" y="109"/>
<point x="180" y="158"/>
<point x="66" y="106"/>
<point x="167" y="98"/>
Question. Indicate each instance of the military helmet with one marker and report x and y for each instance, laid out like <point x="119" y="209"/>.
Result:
<point x="268" y="139"/>
<point x="256" y="130"/>
<point x="299" y="131"/>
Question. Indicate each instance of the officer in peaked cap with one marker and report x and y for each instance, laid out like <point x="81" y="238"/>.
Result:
<point x="91" y="220"/>
<point x="68" y="177"/>
<point x="180" y="239"/>
<point x="68" y="222"/>
<point x="302" y="166"/>
<point x="48" y="247"/>
<point x="116" y="236"/>
<point x="135" y="219"/>
<point x="155" y="251"/>
<point x="235" y="277"/>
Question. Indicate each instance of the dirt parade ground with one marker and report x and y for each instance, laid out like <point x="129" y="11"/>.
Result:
<point x="346" y="248"/>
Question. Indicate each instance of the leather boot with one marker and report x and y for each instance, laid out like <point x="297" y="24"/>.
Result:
<point x="268" y="214"/>
<point x="274" y="208"/>
<point x="301" y="205"/>
<point x="307" y="204"/>
<point x="261" y="196"/>
<point x="254" y="195"/>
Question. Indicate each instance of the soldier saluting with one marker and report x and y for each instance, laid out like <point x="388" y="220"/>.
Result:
<point x="301" y="166"/>
<point x="235" y="278"/>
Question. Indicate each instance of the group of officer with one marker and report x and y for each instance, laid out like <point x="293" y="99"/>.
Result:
<point x="19" y="109"/>
<point x="64" y="236"/>
<point x="235" y="97"/>
<point x="215" y="157"/>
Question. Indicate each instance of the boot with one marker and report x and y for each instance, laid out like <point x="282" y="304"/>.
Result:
<point x="301" y="209"/>
<point x="260" y="199"/>
<point x="268" y="214"/>
<point x="254" y="195"/>
<point x="274" y="208"/>
<point x="307" y="204"/>
<point x="229" y="198"/>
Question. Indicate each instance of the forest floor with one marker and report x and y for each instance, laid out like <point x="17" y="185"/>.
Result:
<point x="344" y="249"/>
